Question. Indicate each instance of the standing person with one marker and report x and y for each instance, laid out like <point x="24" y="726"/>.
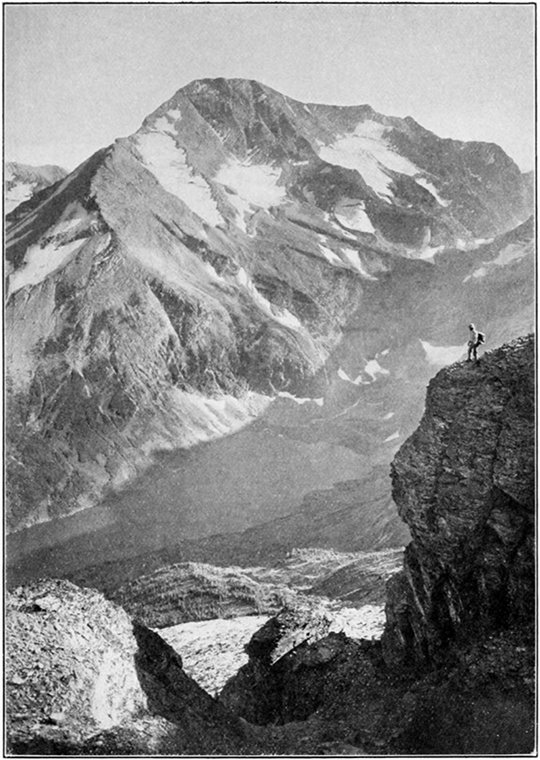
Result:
<point x="475" y="339"/>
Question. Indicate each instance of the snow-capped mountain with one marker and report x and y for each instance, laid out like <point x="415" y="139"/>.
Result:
<point x="21" y="182"/>
<point x="245" y="262"/>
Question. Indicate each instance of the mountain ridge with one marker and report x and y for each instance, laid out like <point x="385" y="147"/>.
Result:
<point x="176" y="288"/>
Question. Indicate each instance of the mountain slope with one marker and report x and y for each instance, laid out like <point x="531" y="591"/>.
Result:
<point x="245" y="256"/>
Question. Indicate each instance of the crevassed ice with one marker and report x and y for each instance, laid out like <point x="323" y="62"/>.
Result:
<point x="367" y="151"/>
<point x="440" y="356"/>
<point x="168" y="164"/>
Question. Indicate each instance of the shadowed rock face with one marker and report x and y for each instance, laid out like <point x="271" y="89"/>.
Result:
<point x="464" y="484"/>
<point x="258" y="690"/>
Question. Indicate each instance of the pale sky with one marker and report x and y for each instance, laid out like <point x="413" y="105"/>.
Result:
<point x="78" y="76"/>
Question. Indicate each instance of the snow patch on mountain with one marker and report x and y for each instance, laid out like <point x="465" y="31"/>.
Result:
<point x="472" y="245"/>
<point x="352" y="214"/>
<point x="252" y="185"/>
<point x="440" y="356"/>
<point x="368" y="152"/>
<point x="353" y="257"/>
<point x="373" y="368"/>
<point x="328" y="254"/>
<point x="428" y="252"/>
<point x="169" y="166"/>
<point x="40" y="262"/>
<point x="17" y="195"/>
<point x="431" y="189"/>
<point x="343" y="232"/>
<point x="357" y="380"/>
<point x="480" y="272"/>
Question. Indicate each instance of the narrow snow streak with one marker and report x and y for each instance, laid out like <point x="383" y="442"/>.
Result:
<point x="298" y="400"/>
<point x="431" y="189"/>
<point x="283" y="316"/>
<point x="353" y="257"/>
<point x="330" y="255"/>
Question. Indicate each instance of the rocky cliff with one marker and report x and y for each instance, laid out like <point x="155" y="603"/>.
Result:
<point x="464" y="484"/>
<point x="454" y="672"/>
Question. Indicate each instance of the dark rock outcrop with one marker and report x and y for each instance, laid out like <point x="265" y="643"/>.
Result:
<point x="464" y="484"/>
<point x="257" y="691"/>
<point x="81" y="678"/>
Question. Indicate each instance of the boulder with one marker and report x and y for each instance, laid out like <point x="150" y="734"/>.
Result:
<point x="82" y="678"/>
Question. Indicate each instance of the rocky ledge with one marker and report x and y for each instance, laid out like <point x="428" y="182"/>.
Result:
<point x="464" y="484"/>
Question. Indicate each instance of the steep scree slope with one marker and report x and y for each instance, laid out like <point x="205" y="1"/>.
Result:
<point x="464" y="484"/>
